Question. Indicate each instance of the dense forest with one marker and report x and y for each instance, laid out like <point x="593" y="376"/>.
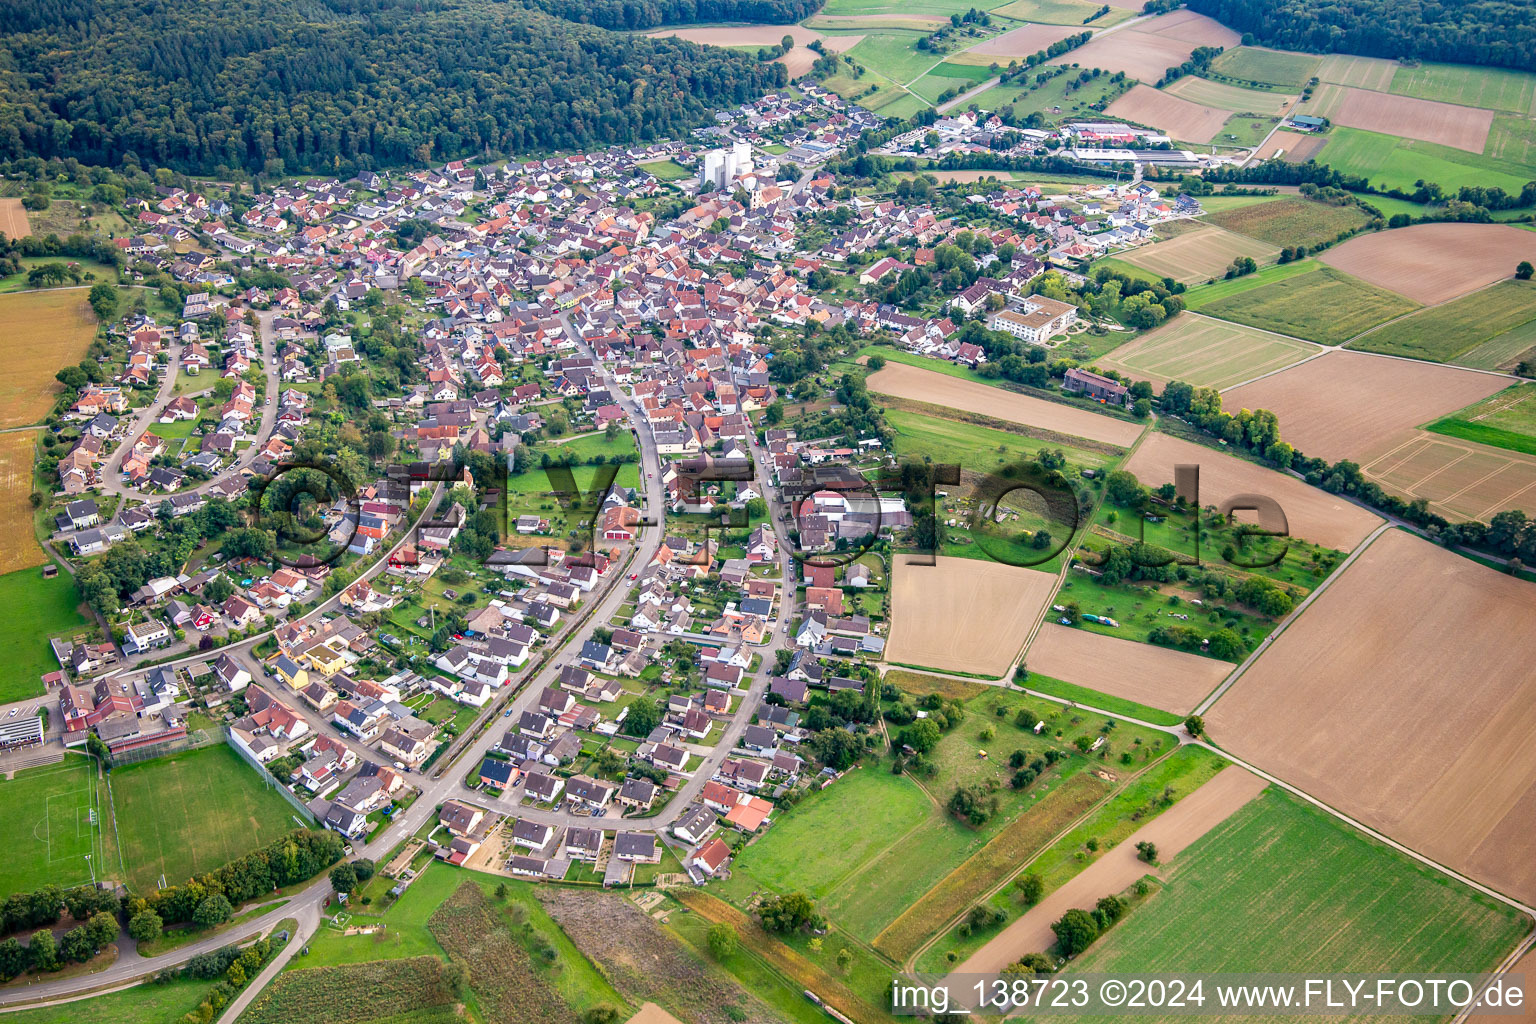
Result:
<point x="1501" y="33"/>
<point x="635" y="14"/>
<point x="283" y="86"/>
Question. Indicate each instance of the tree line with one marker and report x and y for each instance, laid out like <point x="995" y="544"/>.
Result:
<point x="222" y="86"/>
<point x="628" y="15"/>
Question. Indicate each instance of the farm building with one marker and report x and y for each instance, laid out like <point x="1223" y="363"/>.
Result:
<point x="1094" y="386"/>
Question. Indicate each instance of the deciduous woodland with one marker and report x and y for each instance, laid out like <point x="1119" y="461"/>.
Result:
<point x="280" y="87"/>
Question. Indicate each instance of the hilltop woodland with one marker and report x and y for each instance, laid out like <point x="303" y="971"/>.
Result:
<point x="1492" y="32"/>
<point x="275" y="88"/>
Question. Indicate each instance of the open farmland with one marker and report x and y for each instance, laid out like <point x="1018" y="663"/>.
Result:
<point x="1390" y="161"/>
<point x="329" y="995"/>
<point x="13" y="219"/>
<point x="1198" y="256"/>
<point x="1206" y="352"/>
<point x="1267" y="67"/>
<point x="1229" y="97"/>
<point x="1460" y="478"/>
<point x="1282" y="886"/>
<point x="1405" y="116"/>
<point x="1353" y="405"/>
<point x="1293" y="147"/>
<point x="962" y="614"/>
<point x="798" y="61"/>
<point x="1321" y="305"/>
<point x="1360" y="72"/>
<point x="1160" y="677"/>
<point x="1022" y="41"/>
<point x="1187" y="26"/>
<point x="917" y="22"/>
<point x="1291" y="221"/>
<point x="1433" y="263"/>
<point x="1066" y="12"/>
<point x="1152" y="46"/>
<point x="40" y="333"/>
<point x="1310" y="512"/>
<point x="1406" y="697"/>
<point x="1442" y="333"/>
<point x="1505" y="420"/>
<point x="19" y="548"/>
<point x="1171" y="832"/>
<point x="210" y="807"/>
<point x="901" y="380"/>
<point x="1469" y="86"/>
<point x="1178" y="117"/>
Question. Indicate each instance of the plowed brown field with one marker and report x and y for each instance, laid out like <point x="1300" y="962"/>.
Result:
<point x="1175" y="117"/>
<point x="1159" y="677"/>
<point x="1433" y="263"/>
<point x="963" y="614"/>
<point x="1445" y="123"/>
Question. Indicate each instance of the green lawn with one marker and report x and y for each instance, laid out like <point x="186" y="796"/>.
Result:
<point x="1505" y="420"/>
<point x="1390" y="162"/>
<point x="812" y="847"/>
<point x="405" y="926"/>
<point x="191" y="812"/>
<point x="667" y="170"/>
<point x="1282" y="886"/>
<point x="36" y="609"/>
<point x="1267" y="67"/>
<point x="143" y="1004"/>
<point x="754" y="973"/>
<point x="1443" y="333"/>
<point x="48" y="811"/>
<point x="1324" y="305"/>
<point x="592" y="445"/>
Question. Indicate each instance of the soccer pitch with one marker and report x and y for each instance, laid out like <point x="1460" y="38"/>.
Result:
<point x="56" y="820"/>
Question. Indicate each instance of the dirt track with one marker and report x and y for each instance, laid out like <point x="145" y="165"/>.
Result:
<point x="1405" y="696"/>
<point x="1172" y="831"/>
<point x="1312" y="514"/>
<point x="1156" y="676"/>
<point x="963" y="614"/>
<point x="1433" y="263"/>
<point x="904" y="381"/>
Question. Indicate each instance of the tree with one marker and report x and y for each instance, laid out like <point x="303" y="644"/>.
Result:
<point x="145" y="926"/>
<point x="103" y="300"/>
<point x="602" y="1013"/>
<point x="722" y="940"/>
<point x="214" y="910"/>
<point x="501" y="890"/>
<point x="1147" y="851"/>
<point x="44" y="951"/>
<point x="1031" y="887"/>
<point x="1524" y="270"/>
<point x="844" y="960"/>
<point x="875" y="363"/>
<point x="644" y="715"/>
<point x="455" y="978"/>
<point x="789" y="912"/>
<point x="922" y="735"/>
<point x="343" y="878"/>
<point x="1075" y="931"/>
<point x="1123" y="488"/>
<point x="1195" y="725"/>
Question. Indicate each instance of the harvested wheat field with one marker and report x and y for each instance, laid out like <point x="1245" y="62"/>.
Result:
<point x="1140" y="55"/>
<point x="40" y="334"/>
<point x="1023" y="41"/>
<point x="1445" y="123"/>
<point x="1171" y="832"/>
<point x="1206" y="352"/>
<point x="13" y="219"/>
<point x="901" y="380"/>
<point x="1460" y="479"/>
<point x="1291" y="146"/>
<point x="963" y="614"/>
<point x="1175" y="117"/>
<point x="1187" y="26"/>
<point x="1406" y="697"/>
<point x="18" y="548"/>
<point x="1199" y="256"/>
<point x="798" y="61"/>
<point x="927" y="22"/>
<point x="1229" y="97"/>
<point x="1434" y="263"/>
<point x="1354" y="405"/>
<point x="1159" y="677"/>
<point x="1311" y="514"/>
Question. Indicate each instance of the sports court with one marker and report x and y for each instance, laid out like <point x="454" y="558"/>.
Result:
<point x="57" y="821"/>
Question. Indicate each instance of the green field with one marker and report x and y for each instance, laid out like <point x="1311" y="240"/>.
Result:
<point x="191" y="812"/>
<point x="1282" y="886"/>
<point x="1505" y="420"/>
<point x="1225" y="96"/>
<point x="1490" y="88"/>
<point x="667" y="170"/>
<point x="1060" y="12"/>
<point x="1049" y="96"/>
<point x="1442" y="333"/>
<point x="950" y="76"/>
<point x="1200" y="296"/>
<point x="1512" y="138"/>
<point x="1209" y="353"/>
<point x="1102" y="701"/>
<point x="1506" y="351"/>
<point x="813" y="849"/>
<point x="143" y="1004"/>
<point x="1291" y="221"/>
<point x="970" y="446"/>
<point x="1392" y="162"/>
<point x="36" y="610"/>
<point x="894" y="56"/>
<point x="1322" y="305"/>
<point x="49" y="812"/>
<point x="876" y="8"/>
<point x="1267" y="67"/>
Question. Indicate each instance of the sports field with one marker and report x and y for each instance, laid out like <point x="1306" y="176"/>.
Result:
<point x="1206" y="352"/>
<point x="1505" y="420"/>
<point x="36" y="609"/>
<point x="181" y="815"/>
<point x="1443" y="333"/>
<point x="1291" y="221"/>
<point x="1282" y="886"/>
<point x="1268" y="67"/>
<point x="1199" y="256"/>
<point x="54" y="818"/>
<point x="1322" y="305"/>
<point x="40" y="333"/>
